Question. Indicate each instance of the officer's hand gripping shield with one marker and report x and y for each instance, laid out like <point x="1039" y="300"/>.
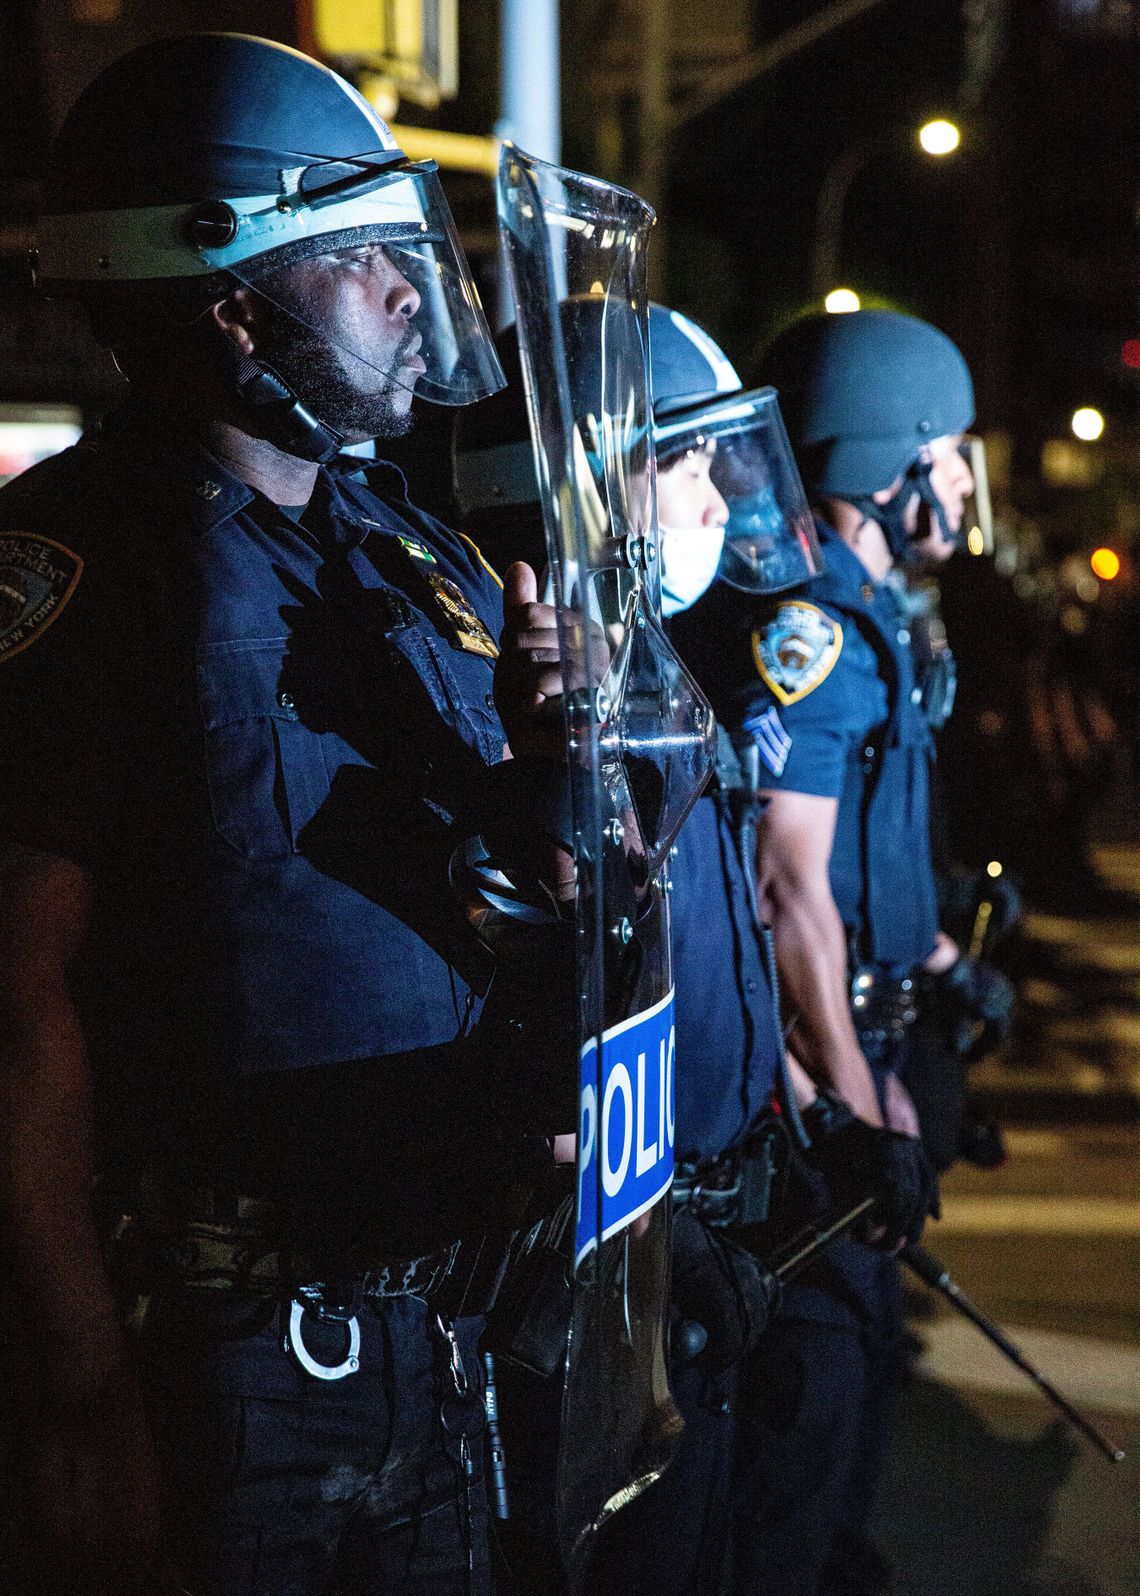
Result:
<point x="640" y="749"/>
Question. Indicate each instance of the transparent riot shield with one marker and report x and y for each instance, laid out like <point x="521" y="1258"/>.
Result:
<point x="640" y="740"/>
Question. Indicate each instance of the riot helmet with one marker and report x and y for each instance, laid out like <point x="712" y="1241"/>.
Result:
<point x="701" y="413"/>
<point x="196" y="165"/>
<point x="869" y="398"/>
<point x="749" y="520"/>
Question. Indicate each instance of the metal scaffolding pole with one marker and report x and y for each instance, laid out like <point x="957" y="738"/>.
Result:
<point x="530" y="104"/>
<point x="530" y="93"/>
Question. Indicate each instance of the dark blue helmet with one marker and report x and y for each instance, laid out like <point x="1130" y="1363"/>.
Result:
<point x="698" y="403"/>
<point x="196" y="164"/>
<point x="863" y="394"/>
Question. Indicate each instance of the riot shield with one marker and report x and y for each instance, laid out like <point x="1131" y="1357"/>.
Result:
<point x="640" y="741"/>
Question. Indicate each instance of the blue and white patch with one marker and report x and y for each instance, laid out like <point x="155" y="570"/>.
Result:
<point x="796" y="650"/>
<point x="772" y="742"/>
<point x="625" y="1162"/>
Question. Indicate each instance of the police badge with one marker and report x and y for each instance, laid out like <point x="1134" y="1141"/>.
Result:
<point x="796" y="650"/>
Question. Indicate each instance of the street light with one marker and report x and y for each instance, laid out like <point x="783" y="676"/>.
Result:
<point x="939" y="137"/>
<point x="841" y="300"/>
<point x="1087" y="424"/>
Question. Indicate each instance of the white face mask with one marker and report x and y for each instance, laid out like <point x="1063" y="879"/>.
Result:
<point x="690" y="557"/>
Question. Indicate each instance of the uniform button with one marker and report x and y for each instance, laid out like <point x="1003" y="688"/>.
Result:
<point x="489" y="700"/>
<point x="751" y="984"/>
<point x="868" y="592"/>
<point x="916" y="695"/>
<point x="285" y="700"/>
<point x="903" y="635"/>
<point x="868" y="752"/>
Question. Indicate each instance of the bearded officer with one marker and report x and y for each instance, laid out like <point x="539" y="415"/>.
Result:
<point x="247" y="685"/>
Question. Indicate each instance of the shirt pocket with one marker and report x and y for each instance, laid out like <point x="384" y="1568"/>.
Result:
<point x="457" y="717"/>
<point x="265" y="770"/>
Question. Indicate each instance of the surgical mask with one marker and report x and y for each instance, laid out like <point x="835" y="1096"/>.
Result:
<point x="690" y="557"/>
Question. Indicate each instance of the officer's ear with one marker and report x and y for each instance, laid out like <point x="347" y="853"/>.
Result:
<point x="239" y="318"/>
<point x="885" y="495"/>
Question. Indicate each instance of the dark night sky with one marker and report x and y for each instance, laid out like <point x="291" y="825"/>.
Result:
<point x="1023" y="245"/>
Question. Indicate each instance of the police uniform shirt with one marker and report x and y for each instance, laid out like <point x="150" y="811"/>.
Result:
<point x="726" y="1023"/>
<point x="817" y="687"/>
<point x="253" y="732"/>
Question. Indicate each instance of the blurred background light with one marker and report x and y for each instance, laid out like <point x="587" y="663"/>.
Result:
<point x="841" y="300"/>
<point x="939" y="137"/>
<point x="1087" y="424"/>
<point x="1105" y="564"/>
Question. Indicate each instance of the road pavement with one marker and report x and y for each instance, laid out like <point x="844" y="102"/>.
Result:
<point x="988" y="1494"/>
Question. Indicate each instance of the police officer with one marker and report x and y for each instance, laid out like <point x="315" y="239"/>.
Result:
<point x="728" y="498"/>
<point x="246" y="687"/>
<point x="964" y="1010"/>
<point x="820" y="685"/>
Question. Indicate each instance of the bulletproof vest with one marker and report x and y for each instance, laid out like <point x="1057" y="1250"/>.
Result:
<point x="935" y="668"/>
<point x="881" y="871"/>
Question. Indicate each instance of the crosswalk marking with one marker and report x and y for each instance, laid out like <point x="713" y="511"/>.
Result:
<point x="1037" y="1215"/>
<point x="1099" y="1376"/>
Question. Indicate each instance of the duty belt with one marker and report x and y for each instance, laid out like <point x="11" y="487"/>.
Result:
<point x="227" y="1243"/>
<point x="880" y="1006"/>
<point x="739" y="1187"/>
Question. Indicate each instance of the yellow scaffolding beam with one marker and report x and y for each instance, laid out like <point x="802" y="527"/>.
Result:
<point x="457" y="152"/>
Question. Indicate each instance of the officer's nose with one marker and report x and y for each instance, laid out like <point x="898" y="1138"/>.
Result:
<point x="400" y="298"/>
<point x="716" y="509"/>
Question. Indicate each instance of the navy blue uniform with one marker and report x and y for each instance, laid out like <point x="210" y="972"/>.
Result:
<point x="253" y="730"/>
<point x="818" y="689"/>
<point x="674" y="1538"/>
<point x="824" y="689"/>
<point x="727" y="1027"/>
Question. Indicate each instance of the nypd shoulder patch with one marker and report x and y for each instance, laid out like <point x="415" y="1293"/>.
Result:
<point x="796" y="649"/>
<point x="37" y="580"/>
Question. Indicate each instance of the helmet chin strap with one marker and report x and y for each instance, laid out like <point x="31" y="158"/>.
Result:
<point x="891" y="515"/>
<point x="281" y="417"/>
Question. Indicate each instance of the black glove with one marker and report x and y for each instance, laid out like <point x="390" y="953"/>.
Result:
<point x="972" y="1004"/>
<point x="858" y="1160"/>
<point x="722" y="1298"/>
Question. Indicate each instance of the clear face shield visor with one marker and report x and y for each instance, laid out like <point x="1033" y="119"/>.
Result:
<point x="770" y="541"/>
<point x="380" y="276"/>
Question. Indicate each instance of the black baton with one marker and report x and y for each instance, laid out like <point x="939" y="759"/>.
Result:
<point x="799" y="1252"/>
<point x="927" y="1267"/>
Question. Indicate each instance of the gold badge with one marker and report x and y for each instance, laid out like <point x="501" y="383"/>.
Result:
<point x="37" y="579"/>
<point x="467" y="630"/>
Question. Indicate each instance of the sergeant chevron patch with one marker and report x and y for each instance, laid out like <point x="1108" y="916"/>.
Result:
<point x="772" y="742"/>
<point x="795" y="650"/>
<point x="37" y="578"/>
